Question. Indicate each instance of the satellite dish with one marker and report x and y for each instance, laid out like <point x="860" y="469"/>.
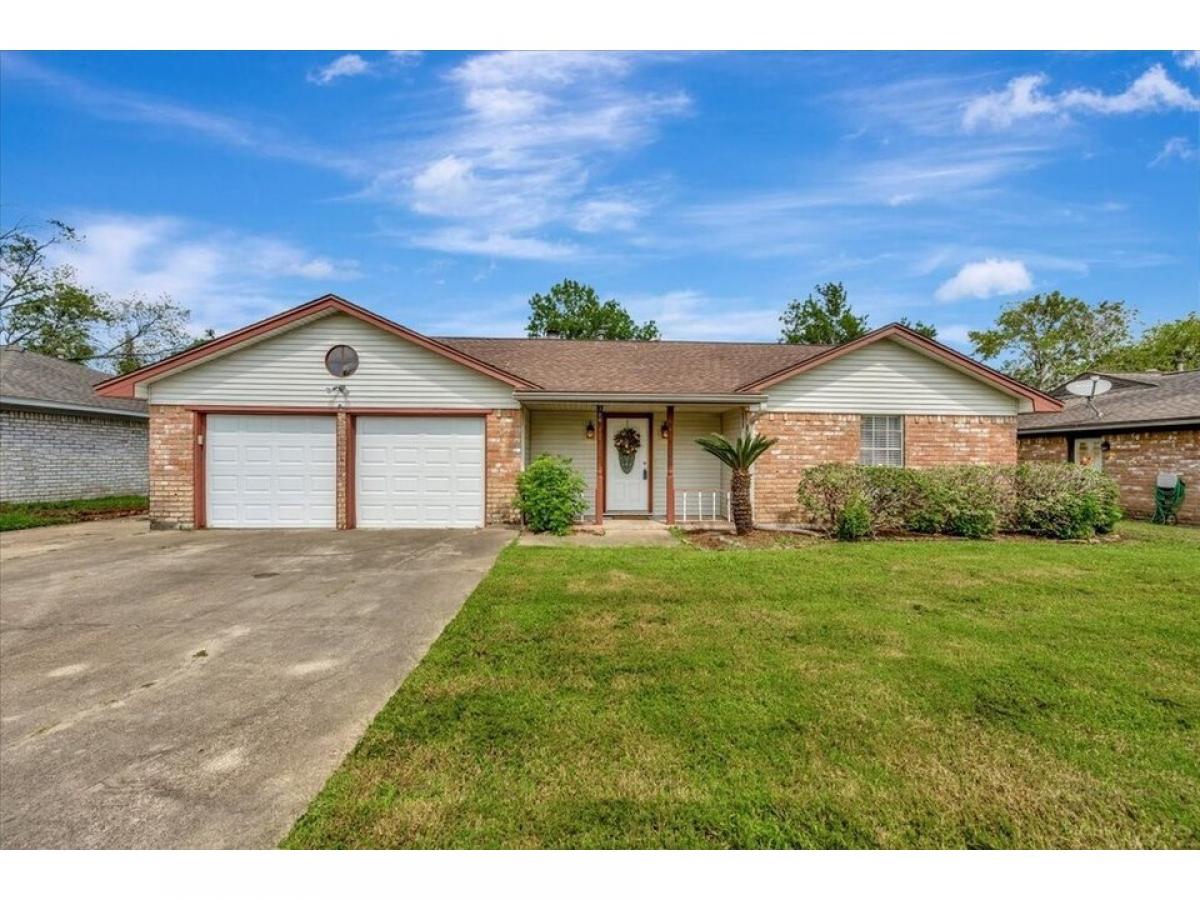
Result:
<point x="1092" y="386"/>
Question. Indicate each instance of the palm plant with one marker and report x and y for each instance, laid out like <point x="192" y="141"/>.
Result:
<point x="739" y="455"/>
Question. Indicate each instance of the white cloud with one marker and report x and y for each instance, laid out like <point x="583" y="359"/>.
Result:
<point x="987" y="278"/>
<point x="519" y="160"/>
<point x="225" y="278"/>
<point x="1176" y="148"/>
<point x="350" y="65"/>
<point x="346" y="66"/>
<point x="463" y="240"/>
<point x="693" y="315"/>
<point x="1188" y="59"/>
<point x="1023" y="98"/>
<point x="594" y="216"/>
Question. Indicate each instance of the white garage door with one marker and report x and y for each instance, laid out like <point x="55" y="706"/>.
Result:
<point x="271" y="471"/>
<point x="413" y="472"/>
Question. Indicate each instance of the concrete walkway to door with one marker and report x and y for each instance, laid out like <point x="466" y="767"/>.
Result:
<point x="196" y="689"/>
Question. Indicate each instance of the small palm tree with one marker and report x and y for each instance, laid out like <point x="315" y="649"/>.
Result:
<point x="739" y="455"/>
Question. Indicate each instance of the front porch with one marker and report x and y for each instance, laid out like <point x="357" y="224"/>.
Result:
<point x="666" y="479"/>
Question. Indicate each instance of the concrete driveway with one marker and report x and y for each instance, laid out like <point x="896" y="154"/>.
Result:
<point x="174" y="689"/>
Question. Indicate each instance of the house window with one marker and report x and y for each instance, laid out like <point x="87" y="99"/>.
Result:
<point x="881" y="441"/>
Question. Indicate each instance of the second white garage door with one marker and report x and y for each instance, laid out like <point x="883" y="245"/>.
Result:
<point x="419" y="472"/>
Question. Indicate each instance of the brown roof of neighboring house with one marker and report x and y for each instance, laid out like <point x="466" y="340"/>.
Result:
<point x="32" y="379"/>
<point x="659" y="367"/>
<point x="1136" y="398"/>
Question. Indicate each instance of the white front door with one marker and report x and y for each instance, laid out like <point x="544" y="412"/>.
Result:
<point x="419" y="472"/>
<point x="270" y="471"/>
<point x="627" y="475"/>
<point x="1088" y="452"/>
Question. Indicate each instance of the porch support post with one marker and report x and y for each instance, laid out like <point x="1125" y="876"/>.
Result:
<point x="601" y="445"/>
<point x="670" y="465"/>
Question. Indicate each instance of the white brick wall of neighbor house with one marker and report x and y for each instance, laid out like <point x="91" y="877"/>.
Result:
<point x="52" y="456"/>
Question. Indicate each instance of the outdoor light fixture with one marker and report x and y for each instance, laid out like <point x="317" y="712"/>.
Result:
<point x="1106" y="446"/>
<point x="665" y="431"/>
<point x="590" y="431"/>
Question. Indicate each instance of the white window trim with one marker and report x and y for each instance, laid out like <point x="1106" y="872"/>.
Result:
<point x="862" y="447"/>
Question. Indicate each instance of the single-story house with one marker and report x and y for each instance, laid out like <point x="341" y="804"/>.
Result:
<point x="329" y="415"/>
<point x="1147" y="423"/>
<point x="59" y="439"/>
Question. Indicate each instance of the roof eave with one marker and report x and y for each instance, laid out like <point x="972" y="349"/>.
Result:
<point x="1106" y="425"/>
<point x="1039" y="400"/>
<point x="125" y="385"/>
<point x="34" y="403"/>
<point x="637" y="397"/>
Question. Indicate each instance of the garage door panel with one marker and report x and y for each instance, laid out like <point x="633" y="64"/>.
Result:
<point x="415" y="472"/>
<point x="271" y="471"/>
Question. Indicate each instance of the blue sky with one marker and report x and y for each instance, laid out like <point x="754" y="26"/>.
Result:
<point x="701" y="190"/>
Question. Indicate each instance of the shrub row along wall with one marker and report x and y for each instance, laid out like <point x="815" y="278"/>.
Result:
<point x="48" y="456"/>
<point x="809" y="439"/>
<point x="1133" y="460"/>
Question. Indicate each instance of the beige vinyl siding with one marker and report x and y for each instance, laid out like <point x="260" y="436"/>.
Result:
<point x="289" y="370"/>
<point x="888" y="377"/>
<point x="731" y="427"/>
<point x="562" y="433"/>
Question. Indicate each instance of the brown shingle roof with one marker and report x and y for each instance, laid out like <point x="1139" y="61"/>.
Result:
<point x="1146" y="397"/>
<point x="32" y="377"/>
<point x="662" y="367"/>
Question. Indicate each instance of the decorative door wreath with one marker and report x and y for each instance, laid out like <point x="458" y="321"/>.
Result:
<point x="627" y="441"/>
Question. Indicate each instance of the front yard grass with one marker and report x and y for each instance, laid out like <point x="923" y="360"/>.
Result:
<point x="14" y="516"/>
<point x="886" y="694"/>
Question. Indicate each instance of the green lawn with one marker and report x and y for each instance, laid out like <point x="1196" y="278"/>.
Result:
<point x="889" y="694"/>
<point x="61" y="512"/>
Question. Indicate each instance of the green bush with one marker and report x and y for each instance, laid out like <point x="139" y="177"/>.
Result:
<point x="854" y="522"/>
<point x="550" y="494"/>
<point x="1063" y="501"/>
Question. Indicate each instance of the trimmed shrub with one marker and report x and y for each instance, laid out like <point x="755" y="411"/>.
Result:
<point x="854" y="523"/>
<point x="1064" y="501"/>
<point x="1053" y="500"/>
<point x="550" y="494"/>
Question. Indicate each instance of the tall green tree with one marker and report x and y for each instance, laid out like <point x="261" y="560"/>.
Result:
<point x="921" y="328"/>
<point x="1047" y="338"/>
<point x="574" y="311"/>
<point x="43" y="308"/>
<point x="1167" y="347"/>
<point x="824" y="319"/>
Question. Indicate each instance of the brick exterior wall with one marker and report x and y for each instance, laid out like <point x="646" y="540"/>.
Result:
<point x="505" y="429"/>
<point x="805" y="440"/>
<point x="959" y="440"/>
<point x="1134" y="459"/>
<point x="1043" y="448"/>
<point x="808" y="439"/>
<point x="341" y="501"/>
<point x="51" y="456"/>
<point x="171" y="467"/>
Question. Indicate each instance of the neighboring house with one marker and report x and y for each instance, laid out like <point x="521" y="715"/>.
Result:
<point x="329" y="415"/>
<point x="60" y="440"/>
<point x="1149" y="422"/>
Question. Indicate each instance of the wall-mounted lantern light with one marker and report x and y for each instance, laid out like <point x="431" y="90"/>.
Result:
<point x="1106" y="446"/>
<point x="590" y="431"/>
<point x="665" y="431"/>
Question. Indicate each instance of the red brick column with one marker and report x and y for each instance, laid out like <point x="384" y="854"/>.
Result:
<point x="1044" y="448"/>
<point x="805" y="440"/>
<point x="959" y="440"/>
<point x="344" y="492"/>
<point x="504" y="461"/>
<point x="172" y="472"/>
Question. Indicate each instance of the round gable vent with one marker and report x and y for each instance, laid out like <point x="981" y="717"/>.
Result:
<point x="341" y="360"/>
